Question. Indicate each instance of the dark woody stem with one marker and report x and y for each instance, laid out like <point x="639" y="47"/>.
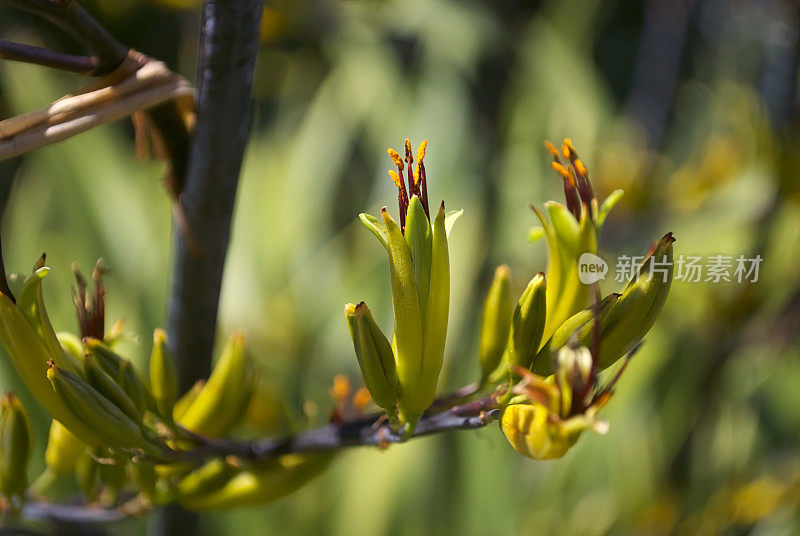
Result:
<point x="48" y="58"/>
<point x="72" y="18"/>
<point x="364" y="431"/>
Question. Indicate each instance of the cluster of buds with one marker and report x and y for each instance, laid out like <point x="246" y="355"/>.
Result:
<point x="402" y="375"/>
<point x="543" y="334"/>
<point x="540" y="356"/>
<point x="548" y="416"/>
<point x="113" y="431"/>
<point x="550" y="329"/>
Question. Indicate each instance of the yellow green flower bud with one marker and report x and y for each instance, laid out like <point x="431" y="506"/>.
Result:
<point x="581" y="326"/>
<point x="529" y="431"/>
<point x="223" y="399"/>
<point x="186" y="400"/>
<point x="105" y="385"/>
<point x="144" y="476"/>
<point x="550" y="415"/>
<point x="571" y="230"/>
<point x="420" y="243"/>
<point x="259" y="485"/>
<point x="205" y="480"/>
<point x="87" y="473"/>
<point x="63" y="450"/>
<point x="435" y="330"/>
<point x="567" y="238"/>
<point x="86" y="404"/>
<point x="495" y="322"/>
<point x="636" y="310"/>
<point x="31" y="304"/>
<point x="16" y="443"/>
<point x="134" y="387"/>
<point x="419" y="268"/>
<point x="374" y="353"/>
<point x="527" y="324"/>
<point x="29" y="356"/>
<point x="163" y="375"/>
<point x="108" y="360"/>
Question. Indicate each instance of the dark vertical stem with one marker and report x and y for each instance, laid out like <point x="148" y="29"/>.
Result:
<point x="657" y="65"/>
<point x="8" y="170"/>
<point x="226" y="60"/>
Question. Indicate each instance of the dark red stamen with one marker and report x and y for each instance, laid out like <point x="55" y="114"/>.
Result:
<point x="423" y="187"/>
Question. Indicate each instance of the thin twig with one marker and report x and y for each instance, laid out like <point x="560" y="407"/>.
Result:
<point x="361" y="432"/>
<point x="49" y="58"/>
<point x="69" y="513"/>
<point x="113" y="97"/>
<point x="72" y="18"/>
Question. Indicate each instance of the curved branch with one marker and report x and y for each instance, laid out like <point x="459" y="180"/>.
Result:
<point x="371" y="430"/>
<point x="361" y="432"/>
<point x="49" y="58"/>
<point x="72" y="18"/>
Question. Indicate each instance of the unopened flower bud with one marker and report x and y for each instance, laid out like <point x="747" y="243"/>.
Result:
<point x="495" y="321"/>
<point x="15" y="446"/>
<point x="374" y="353"/>
<point x="527" y="325"/>
<point x="163" y="375"/>
<point x="578" y="328"/>
<point x="636" y="310"/>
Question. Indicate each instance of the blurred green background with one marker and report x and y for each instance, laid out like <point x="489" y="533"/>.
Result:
<point x="690" y="106"/>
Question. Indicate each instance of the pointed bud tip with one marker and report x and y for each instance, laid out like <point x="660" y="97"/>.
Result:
<point x="40" y="261"/>
<point x="159" y="336"/>
<point x="669" y="238"/>
<point x="503" y="271"/>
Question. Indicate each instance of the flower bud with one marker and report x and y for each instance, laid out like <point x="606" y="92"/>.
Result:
<point x="163" y="375"/>
<point x="419" y="268"/>
<point x="86" y="404"/>
<point x="87" y="473"/>
<point x="419" y="238"/>
<point x="15" y="446"/>
<point x="581" y="326"/>
<point x="574" y="373"/>
<point x="187" y="399"/>
<point x="133" y="386"/>
<point x="374" y="353"/>
<point x="567" y="239"/>
<point x="63" y="450"/>
<point x="143" y="474"/>
<point x="527" y="324"/>
<point x="407" y="314"/>
<point x="109" y="388"/>
<point x="435" y="333"/>
<point x="532" y="434"/>
<point x="635" y="312"/>
<point x="29" y="355"/>
<point x="261" y="484"/>
<point x="495" y="322"/>
<point x="554" y="414"/>
<point x="223" y="399"/>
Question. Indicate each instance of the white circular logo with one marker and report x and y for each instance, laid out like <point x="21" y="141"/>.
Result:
<point x="591" y="268"/>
